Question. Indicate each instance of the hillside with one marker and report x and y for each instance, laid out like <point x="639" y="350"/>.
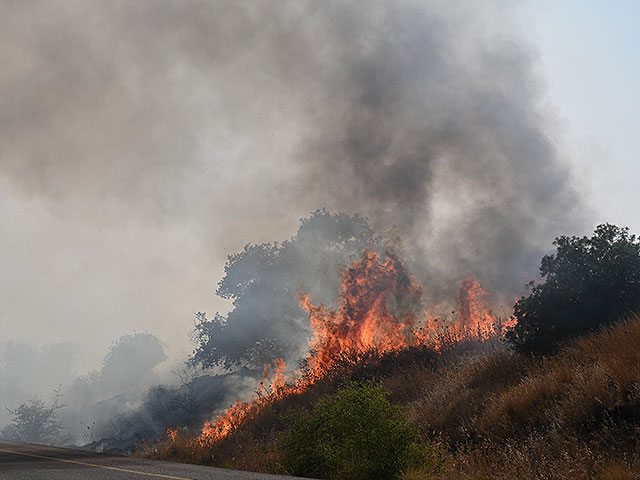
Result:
<point x="488" y="412"/>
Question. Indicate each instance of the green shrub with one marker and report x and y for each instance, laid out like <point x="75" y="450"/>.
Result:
<point x="588" y="282"/>
<point x="356" y="433"/>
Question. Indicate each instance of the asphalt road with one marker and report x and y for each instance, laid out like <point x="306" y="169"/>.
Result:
<point x="21" y="461"/>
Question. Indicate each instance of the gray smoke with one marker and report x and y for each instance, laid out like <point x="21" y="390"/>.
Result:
<point x="148" y="140"/>
<point x="87" y="403"/>
<point x="436" y="132"/>
<point x="27" y="372"/>
<point x="126" y="402"/>
<point x="264" y="282"/>
<point x="422" y="117"/>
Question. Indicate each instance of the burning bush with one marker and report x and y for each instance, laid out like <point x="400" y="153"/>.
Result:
<point x="588" y="282"/>
<point x="356" y="433"/>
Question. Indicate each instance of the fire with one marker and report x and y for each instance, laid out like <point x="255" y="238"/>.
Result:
<point x="364" y="319"/>
<point x="279" y="378"/>
<point x="240" y="412"/>
<point x="474" y="315"/>
<point x="226" y="423"/>
<point x="376" y="312"/>
<point x="278" y="381"/>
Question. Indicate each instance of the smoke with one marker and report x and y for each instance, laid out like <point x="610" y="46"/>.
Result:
<point x="27" y="372"/>
<point x="424" y="118"/>
<point x="148" y="140"/>
<point x="432" y="127"/>
<point x="264" y="282"/>
<point x="127" y="401"/>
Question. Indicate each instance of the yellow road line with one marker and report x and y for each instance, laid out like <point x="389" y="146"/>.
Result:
<point x="94" y="465"/>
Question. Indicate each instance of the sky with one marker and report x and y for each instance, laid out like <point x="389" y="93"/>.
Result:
<point x="591" y="64"/>
<point x="132" y="250"/>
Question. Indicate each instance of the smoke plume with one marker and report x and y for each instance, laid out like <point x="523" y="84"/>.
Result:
<point x="423" y="117"/>
<point x="165" y="135"/>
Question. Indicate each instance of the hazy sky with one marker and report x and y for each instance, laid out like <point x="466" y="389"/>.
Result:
<point x="590" y="59"/>
<point x="131" y="249"/>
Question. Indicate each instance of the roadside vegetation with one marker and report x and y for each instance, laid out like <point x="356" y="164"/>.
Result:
<point x="558" y="399"/>
<point x="36" y="422"/>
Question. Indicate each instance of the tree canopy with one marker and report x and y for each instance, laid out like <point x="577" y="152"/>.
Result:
<point x="588" y="282"/>
<point x="262" y="281"/>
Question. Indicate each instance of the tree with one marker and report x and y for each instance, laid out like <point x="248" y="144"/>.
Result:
<point x="587" y="283"/>
<point x="262" y="281"/>
<point x="35" y="422"/>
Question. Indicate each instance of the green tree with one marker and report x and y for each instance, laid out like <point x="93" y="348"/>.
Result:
<point x="356" y="433"/>
<point x="587" y="283"/>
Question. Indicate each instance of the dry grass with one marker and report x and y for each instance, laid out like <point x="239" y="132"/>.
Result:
<point x="416" y="474"/>
<point x="496" y="414"/>
<point x="575" y="415"/>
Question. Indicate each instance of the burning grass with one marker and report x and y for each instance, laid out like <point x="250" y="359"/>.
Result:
<point x="376" y="316"/>
<point x="490" y="412"/>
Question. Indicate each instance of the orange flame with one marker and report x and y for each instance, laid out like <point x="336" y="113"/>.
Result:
<point x="226" y="423"/>
<point x="364" y="318"/>
<point x="279" y="379"/>
<point x="474" y="317"/>
<point x="375" y="311"/>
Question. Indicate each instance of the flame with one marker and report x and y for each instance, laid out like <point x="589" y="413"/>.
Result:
<point x="279" y="378"/>
<point x="375" y="313"/>
<point x="226" y="423"/>
<point x="474" y="315"/>
<point x="364" y="319"/>
<point x="240" y="412"/>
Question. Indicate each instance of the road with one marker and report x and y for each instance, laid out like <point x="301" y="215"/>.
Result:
<point x="21" y="461"/>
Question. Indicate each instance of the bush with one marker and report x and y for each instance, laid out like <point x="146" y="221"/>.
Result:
<point x="356" y="433"/>
<point x="587" y="283"/>
<point x="35" y="423"/>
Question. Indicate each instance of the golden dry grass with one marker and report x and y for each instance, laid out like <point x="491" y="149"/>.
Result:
<point x="495" y="414"/>
<point x="575" y="415"/>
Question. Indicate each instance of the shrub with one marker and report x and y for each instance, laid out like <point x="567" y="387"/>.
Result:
<point x="356" y="433"/>
<point x="587" y="283"/>
<point x="35" y="423"/>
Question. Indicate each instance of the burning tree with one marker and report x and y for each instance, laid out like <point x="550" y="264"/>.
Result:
<point x="267" y="321"/>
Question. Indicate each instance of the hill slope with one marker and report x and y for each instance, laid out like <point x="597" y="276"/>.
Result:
<point x="490" y="413"/>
